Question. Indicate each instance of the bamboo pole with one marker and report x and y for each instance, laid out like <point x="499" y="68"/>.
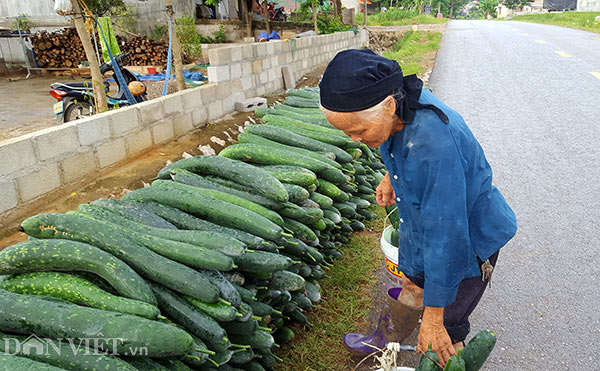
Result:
<point x="365" y="15"/>
<point x="246" y="14"/>
<point x="315" y="10"/>
<point x="97" y="79"/>
<point x="179" y="81"/>
<point x="266" y="11"/>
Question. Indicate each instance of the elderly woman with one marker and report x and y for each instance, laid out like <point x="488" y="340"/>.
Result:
<point x="453" y="220"/>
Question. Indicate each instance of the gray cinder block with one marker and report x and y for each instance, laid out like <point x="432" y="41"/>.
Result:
<point x="250" y="104"/>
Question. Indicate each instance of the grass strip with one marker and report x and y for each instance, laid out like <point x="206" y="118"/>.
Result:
<point x="347" y="301"/>
<point x="579" y="20"/>
<point x="398" y="17"/>
<point x="413" y="51"/>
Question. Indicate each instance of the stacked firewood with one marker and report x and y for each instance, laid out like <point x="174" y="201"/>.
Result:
<point x="64" y="49"/>
<point x="146" y="52"/>
<point x="58" y="49"/>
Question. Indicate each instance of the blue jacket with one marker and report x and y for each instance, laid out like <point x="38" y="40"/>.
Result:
<point x="450" y="213"/>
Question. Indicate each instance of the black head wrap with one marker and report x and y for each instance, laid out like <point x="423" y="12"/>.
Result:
<point x="357" y="79"/>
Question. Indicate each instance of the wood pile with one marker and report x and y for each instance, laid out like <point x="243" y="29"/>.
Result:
<point x="58" y="49"/>
<point x="64" y="49"/>
<point x="145" y="52"/>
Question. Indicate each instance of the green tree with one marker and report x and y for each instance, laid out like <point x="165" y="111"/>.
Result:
<point x="488" y="7"/>
<point x="23" y="23"/>
<point x="458" y="7"/>
<point x="516" y="4"/>
<point x="101" y="8"/>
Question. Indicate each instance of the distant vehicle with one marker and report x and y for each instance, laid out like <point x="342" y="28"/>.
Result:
<point x="76" y="99"/>
<point x="277" y="14"/>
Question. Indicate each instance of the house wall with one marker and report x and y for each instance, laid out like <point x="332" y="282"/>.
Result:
<point x="350" y="4"/>
<point x="588" y="5"/>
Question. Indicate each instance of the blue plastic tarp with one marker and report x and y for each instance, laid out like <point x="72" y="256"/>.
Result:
<point x="272" y="36"/>
<point x="187" y="76"/>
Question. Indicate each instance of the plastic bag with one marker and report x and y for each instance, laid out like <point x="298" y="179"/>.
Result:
<point x="63" y="7"/>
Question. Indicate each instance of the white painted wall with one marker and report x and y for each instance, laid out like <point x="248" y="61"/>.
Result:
<point x="33" y="8"/>
<point x="588" y="5"/>
<point x="350" y="4"/>
<point x="42" y="11"/>
<point x="12" y="50"/>
<point x="45" y="8"/>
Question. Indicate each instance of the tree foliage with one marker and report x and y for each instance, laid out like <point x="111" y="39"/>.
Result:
<point x="22" y="22"/>
<point x="330" y="24"/>
<point x="516" y="4"/>
<point x="488" y="7"/>
<point x="101" y="8"/>
<point x="415" y="4"/>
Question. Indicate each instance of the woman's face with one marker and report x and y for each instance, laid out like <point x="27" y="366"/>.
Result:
<point x="372" y="131"/>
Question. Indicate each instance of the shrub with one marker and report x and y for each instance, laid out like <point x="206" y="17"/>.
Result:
<point x="23" y="23"/>
<point x="328" y="24"/>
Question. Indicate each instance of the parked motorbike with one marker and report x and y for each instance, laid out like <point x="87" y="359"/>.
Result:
<point x="76" y="99"/>
<point x="278" y="14"/>
<point x="276" y="11"/>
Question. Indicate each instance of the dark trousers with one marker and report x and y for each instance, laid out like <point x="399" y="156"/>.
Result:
<point x="456" y="314"/>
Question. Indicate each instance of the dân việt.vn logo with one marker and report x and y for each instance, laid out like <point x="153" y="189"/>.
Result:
<point x="34" y="345"/>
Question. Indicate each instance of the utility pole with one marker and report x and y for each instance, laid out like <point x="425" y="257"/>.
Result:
<point x="97" y="79"/>
<point x="179" y="81"/>
<point x="365" y="15"/>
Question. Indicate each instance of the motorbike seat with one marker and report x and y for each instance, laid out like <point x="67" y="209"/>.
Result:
<point x="79" y="85"/>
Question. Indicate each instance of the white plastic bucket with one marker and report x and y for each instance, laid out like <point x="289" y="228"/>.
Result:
<point x="393" y="277"/>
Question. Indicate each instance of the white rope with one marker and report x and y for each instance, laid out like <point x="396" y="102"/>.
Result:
<point x="387" y="360"/>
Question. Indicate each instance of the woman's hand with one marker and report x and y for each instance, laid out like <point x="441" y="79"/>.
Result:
<point x="433" y="332"/>
<point x="384" y="193"/>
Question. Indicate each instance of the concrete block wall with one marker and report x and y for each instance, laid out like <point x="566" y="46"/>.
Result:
<point x="35" y="165"/>
<point x="258" y="65"/>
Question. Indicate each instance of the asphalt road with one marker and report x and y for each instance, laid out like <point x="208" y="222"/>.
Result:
<point x="528" y="93"/>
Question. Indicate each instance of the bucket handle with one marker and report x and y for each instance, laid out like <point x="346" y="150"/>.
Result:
<point x="387" y="217"/>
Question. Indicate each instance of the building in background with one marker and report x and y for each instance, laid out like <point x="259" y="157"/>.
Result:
<point x="357" y="5"/>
